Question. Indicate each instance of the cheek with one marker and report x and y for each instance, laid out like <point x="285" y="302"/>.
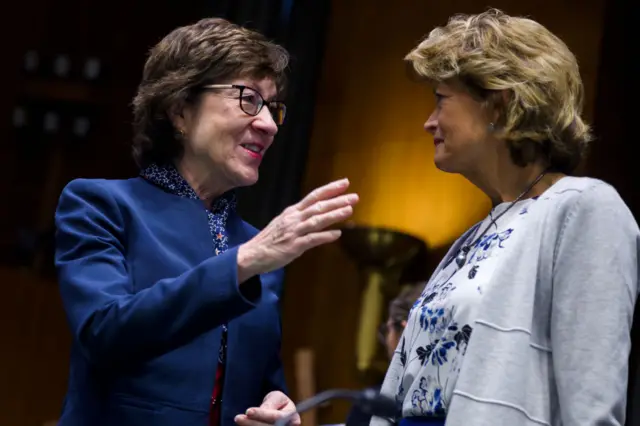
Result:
<point x="461" y="129"/>
<point x="448" y="122"/>
<point x="471" y="123"/>
<point x="201" y="136"/>
<point x="214" y="139"/>
<point x="392" y="339"/>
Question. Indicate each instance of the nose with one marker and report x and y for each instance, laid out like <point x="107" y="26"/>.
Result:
<point x="264" y="123"/>
<point x="431" y="125"/>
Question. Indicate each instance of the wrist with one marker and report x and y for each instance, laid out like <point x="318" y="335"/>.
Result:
<point x="247" y="264"/>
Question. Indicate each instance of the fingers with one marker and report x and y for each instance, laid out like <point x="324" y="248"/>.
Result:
<point x="325" y="206"/>
<point x="322" y="221"/>
<point x="263" y="416"/>
<point x="316" y="239"/>
<point x="243" y="420"/>
<point x="329" y="190"/>
<point x="276" y="400"/>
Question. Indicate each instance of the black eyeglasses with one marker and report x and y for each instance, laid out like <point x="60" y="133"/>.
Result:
<point x="251" y="101"/>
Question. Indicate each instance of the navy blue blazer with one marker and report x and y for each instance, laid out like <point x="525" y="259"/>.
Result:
<point x="145" y="300"/>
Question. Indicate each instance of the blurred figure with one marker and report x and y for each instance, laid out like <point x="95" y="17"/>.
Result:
<point x="526" y="321"/>
<point x="391" y="331"/>
<point x="389" y="335"/>
<point x="172" y="299"/>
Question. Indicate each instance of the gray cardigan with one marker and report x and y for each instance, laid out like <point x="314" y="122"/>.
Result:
<point x="551" y="342"/>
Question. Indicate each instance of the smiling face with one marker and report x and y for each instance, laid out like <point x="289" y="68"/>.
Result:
<point x="221" y="138"/>
<point x="460" y="125"/>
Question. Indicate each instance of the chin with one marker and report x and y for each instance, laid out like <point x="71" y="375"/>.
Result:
<point x="444" y="165"/>
<point x="247" y="179"/>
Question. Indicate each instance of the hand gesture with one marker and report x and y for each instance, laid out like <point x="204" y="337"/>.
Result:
<point x="297" y="229"/>
<point x="275" y="406"/>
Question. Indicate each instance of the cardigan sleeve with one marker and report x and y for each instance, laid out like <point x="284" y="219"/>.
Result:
<point x="111" y="323"/>
<point x="595" y="284"/>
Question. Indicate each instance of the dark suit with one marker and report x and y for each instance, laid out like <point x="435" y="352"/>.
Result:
<point x="145" y="300"/>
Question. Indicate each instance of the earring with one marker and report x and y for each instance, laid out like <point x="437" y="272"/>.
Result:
<point x="492" y="127"/>
<point x="179" y="134"/>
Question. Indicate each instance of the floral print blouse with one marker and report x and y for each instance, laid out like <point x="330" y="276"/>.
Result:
<point x="425" y="366"/>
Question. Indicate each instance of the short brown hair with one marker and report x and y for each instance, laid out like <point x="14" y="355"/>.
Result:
<point x="493" y="52"/>
<point x="208" y="52"/>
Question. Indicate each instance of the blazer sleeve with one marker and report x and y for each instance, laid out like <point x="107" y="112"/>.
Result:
<point x="275" y="378"/>
<point x="595" y="285"/>
<point x="111" y="323"/>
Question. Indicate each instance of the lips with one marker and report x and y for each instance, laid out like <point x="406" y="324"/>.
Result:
<point x="438" y="141"/>
<point x="254" y="150"/>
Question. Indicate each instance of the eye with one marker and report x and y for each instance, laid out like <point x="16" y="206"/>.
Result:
<point x="251" y="98"/>
<point x="439" y="98"/>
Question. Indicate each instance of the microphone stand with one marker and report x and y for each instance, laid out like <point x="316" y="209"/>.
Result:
<point x="369" y="401"/>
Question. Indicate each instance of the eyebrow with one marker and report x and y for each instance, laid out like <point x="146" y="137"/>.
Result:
<point x="257" y="89"/>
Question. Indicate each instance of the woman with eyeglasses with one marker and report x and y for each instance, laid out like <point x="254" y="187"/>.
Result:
<point x="172" y="299"/>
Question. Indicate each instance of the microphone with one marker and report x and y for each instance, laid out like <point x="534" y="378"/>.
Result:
<point x="370" y="401"/>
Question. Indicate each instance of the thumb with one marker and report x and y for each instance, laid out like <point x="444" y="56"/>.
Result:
<point x="275" y="400"/>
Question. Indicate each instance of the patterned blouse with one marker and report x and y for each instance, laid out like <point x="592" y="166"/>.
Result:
<point x="426" y="364"/>
<point x="168" y="178"/>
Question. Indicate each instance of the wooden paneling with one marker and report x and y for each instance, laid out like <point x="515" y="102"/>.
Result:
<point x="35" y="349"/>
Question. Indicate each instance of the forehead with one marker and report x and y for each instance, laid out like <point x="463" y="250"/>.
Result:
<point x="449" y="87"/>
<point x="458" y="95"/>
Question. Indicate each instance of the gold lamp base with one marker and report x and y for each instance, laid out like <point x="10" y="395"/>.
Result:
<point x="381" y="255"/>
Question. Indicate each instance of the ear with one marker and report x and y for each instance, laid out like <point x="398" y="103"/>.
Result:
<point x="178" y="115"/>
<point x="498" y="101"/>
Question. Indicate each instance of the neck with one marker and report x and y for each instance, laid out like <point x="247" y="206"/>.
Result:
<point x="201" y="178"/>
<point x="504" y="181"/>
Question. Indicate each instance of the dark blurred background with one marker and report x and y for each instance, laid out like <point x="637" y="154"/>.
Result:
<point x="70" y="69"/>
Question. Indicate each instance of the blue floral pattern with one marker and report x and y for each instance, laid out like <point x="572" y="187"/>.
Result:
<point x="439" y="329"/>
<point x="168" y="178"/>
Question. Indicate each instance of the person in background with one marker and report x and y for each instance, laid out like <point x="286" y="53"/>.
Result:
<point x="389" y="335"/>
<point x="526" y="321"/>
<point x="172" y="299"/>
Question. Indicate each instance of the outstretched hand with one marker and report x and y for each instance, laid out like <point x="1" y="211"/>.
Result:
<point x="297" y="229"/>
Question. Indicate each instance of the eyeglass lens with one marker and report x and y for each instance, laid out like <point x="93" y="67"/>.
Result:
<point x="252" y="102"/>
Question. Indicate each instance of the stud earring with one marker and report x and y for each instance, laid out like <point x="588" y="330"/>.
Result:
<point x="492" y="127"/>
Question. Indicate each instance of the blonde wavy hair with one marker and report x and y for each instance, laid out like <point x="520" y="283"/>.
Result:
<point x="492" y="53"/>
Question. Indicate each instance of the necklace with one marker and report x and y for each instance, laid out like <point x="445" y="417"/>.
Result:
<point x="461" y="258"/>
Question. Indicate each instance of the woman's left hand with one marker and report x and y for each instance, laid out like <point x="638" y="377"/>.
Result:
<point x="274" y="406"/>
